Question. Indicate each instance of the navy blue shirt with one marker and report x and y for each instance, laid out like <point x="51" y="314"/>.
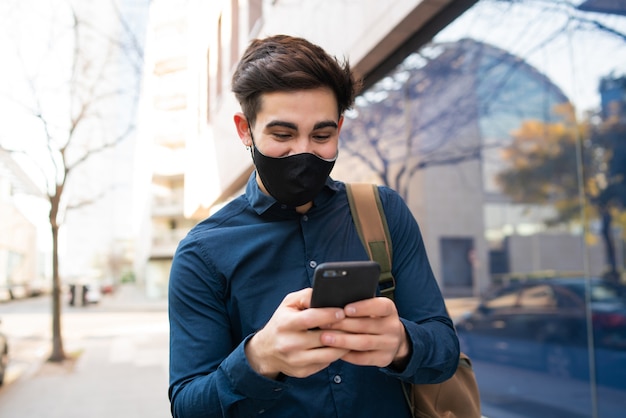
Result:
<point x="233" y="270"/>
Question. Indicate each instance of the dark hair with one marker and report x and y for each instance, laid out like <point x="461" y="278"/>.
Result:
<point x="286" y="63"/>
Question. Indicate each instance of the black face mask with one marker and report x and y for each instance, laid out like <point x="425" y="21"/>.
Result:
<point x="293" y="180"/>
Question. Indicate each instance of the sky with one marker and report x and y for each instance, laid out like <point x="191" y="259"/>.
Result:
<point x="559" y="41"/>
<point x="37" y="43"/>
<point x="33" y="48"/>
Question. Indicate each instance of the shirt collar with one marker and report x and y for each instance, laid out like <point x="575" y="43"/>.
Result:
<point x="261" y="202"/>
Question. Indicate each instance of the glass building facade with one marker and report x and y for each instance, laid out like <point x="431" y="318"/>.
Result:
<point x="506" y="135"/>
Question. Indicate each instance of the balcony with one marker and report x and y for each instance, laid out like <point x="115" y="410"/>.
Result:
<point x="164" y="243"/>
<point x="168" y="206"/>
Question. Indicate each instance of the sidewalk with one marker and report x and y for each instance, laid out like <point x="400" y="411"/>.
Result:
<point x="121" y="366"/>
<point x="130" y="297"/>
<point x="120" y="370"/>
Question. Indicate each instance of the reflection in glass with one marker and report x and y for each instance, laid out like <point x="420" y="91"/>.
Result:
<point x="539" y="329"/>
<point x="507" y="137"/>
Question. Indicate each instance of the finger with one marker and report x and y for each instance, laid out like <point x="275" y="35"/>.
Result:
<point x="378" y="307"/>
<point x="373" y="326"/>
<point x="300" y="299"/>
<point x="356" y="342"/>
<point x="302" y="362"/>
<point x="366" y="350"/>
<point x="315" y="318"/>
<point x="312" y="361"/>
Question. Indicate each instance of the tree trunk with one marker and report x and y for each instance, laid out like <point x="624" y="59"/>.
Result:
<point x="611" y="274"/>
<point x="58" y="353"/>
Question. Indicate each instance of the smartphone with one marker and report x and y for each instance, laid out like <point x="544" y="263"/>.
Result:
<point x="336" y="284"/>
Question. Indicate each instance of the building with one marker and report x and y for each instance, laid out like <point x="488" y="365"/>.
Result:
<point x="459" y="122"/>
<point x="187" y="106"/>
<point x="448" y="86"/>
<point x="195" y="143"/>
<point x="613" y="95"/>
<point x="20" y="258"/>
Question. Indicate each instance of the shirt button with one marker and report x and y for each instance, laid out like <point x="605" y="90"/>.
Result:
<point x="337" y="379"/>
<point x="312" y="264"/>
<point x="305" y="218"/>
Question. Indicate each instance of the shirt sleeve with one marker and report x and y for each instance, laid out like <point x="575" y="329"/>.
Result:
<point x="434" y="344"/>
<point x="208" y="378"/>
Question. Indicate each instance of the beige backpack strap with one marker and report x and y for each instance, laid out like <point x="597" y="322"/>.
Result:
<point x="371" y="225"/>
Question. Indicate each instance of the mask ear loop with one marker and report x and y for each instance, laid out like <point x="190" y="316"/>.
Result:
<point x="250" y="147"/>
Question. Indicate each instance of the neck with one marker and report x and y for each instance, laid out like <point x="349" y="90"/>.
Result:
<point x="304" y="208"/>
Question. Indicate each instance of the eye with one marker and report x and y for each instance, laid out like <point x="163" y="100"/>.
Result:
<point x="281" y="136"/>
<point x="321" y="137"/>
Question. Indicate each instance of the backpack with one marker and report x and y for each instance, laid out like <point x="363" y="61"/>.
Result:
<point x="457" y="397"/>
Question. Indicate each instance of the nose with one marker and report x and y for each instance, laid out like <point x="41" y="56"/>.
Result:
<point x="301" y="144"/>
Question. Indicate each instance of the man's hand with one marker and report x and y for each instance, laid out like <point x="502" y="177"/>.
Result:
<point x="288" y="344"/>
<point x="371" y="332"/>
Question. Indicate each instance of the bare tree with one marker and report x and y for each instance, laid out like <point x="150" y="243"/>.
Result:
<point x="83" y="119"/>
<point x="428" y="112"/>
<point x="425" y="113"/>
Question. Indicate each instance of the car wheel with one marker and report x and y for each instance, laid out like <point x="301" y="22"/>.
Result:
<point x="558" y="361"/>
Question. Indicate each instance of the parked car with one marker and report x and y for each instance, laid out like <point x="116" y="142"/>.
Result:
<point x="543" y="325"/>
<point x="5" y="293"/>
<point x="39" y="287"/>
<point x="107" y="287"/>
<point x="4" y="356"/>
<point x="93" y="294"/>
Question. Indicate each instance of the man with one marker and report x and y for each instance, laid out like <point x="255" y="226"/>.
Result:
<point x="243" y="340"/>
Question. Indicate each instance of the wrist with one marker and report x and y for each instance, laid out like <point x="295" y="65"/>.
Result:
<point x="255" y="359"/>
<point x="403" y="354"/>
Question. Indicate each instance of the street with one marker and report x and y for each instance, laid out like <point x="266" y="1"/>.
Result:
<point x="120" y="347"/>
<point x="121" y="366"/>
<point x="526" y="393"/>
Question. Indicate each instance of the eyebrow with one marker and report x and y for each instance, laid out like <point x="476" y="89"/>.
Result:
<point x="289" y="125"/>
<point x="325" y="124"/>
<point x="283" y="124"/>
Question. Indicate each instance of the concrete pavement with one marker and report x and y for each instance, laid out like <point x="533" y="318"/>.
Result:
<point x="119" y="371"/>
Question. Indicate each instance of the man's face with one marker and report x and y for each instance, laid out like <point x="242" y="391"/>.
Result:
<point x="296" y="122"/>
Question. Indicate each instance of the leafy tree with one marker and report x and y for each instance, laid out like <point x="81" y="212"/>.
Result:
<point x="543" y="159"/>
<point x="77" y="119"/>
<point x="575" y="167"/>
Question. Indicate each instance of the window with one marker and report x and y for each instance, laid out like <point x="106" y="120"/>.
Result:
<point x="540" y="296"/>
<point x="505" y="136"/>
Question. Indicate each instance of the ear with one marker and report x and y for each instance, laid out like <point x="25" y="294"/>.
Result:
<point x="339" y="124"/>
<point x="243" y="129"/>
